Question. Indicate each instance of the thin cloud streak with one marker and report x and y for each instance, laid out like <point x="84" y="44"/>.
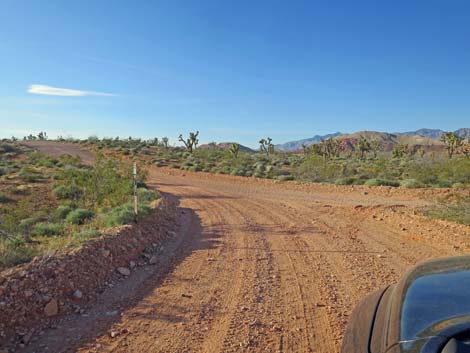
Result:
<point x="64" y="92"/>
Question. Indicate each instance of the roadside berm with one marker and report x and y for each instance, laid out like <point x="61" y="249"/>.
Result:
<point x="35" y="295"/>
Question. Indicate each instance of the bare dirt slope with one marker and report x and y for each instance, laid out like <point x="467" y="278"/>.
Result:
<point x="56" y="149"/>
<point x="266" y="267"/>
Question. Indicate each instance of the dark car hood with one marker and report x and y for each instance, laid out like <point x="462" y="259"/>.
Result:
<point x="430" y="304"/>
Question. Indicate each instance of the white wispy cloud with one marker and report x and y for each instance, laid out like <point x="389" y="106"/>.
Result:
<point x="64" y="92"/>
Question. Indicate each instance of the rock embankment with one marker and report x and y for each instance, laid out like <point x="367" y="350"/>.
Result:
<point x="33" y="295"/>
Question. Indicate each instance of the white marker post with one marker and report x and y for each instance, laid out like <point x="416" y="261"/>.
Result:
<point x="135" y="192"/>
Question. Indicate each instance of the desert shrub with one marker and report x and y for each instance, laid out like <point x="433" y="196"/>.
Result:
<point x="47" y="229"/>
<point x="444" y="184"/>
<point x="195" y="168"/>
<point x="285" y="177"/>
<point x="316" y="168"/>
<point x="411" y="184"/>
<point x="29" y="175"/>
<point x="40" y="160"/>
<point x="86" y="234"/>
<point x="5" y="148"/>
<point x="25" y="225"/>
<point x="381" y="182"/>
<point x="14" y="251"/>
<point x="21" y="190"/>
<point x="79" y="216"/>
<point x="4" y="198"/>
<point x="345" y="181"/>
<point x="453" y="208"/>
<point x="4" y="171"/>
<point x="107" y="184"/>
<point x="67" y="192"/>
<point x="125" y="214"/>
<point x="146" y="195"/>
<point x="62" y="212"/>
<point x="237" y="172"/>
<point x="458" y="186"/>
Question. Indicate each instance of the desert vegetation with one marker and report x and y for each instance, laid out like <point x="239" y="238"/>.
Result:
<point x="355" y="161"/>
<point x="48" y="203"/>
<point x="362" y="161"/>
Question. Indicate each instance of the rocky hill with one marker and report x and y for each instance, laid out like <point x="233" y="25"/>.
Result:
<point x="422" y="137"/>
<point x="225" y="146"/>
<point x="297" y="145"/>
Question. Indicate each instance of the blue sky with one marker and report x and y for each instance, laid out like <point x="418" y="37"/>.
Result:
<point x="234" y="70"/>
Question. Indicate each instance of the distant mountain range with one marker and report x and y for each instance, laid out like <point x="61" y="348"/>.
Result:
<point x="423" y="137"/>
<point x="225" y="146"/>
<point x="296" y="145"/>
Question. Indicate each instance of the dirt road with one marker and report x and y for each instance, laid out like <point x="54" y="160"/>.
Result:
<point x="269" y="267"/>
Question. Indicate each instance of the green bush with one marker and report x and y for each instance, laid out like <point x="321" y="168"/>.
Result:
<point x="125" y="214"/>
<point x="21" y="190"/>
<point x="444" y="184"/>
<point x="62" y="212"/>
<point x="27" y="224"/>
<point x="47" y="229"/>
<point x="67" y="192"/>
<point x="285" y="177"/>
<point x="146" y="195"/>
<point x="453" y="208"/>
<point x="411" y="184"/>
<point x="345" y="181"/>
<point x="86" y="234"/>
<point x="30" y="177"/>
<point x="458" y="186"/>
<point x="4" y="198"/>
<point x="14" y="251"/>
<point x="381" y="182"/>
<point x="79" y="216"/>
<point x="4" y="171"/>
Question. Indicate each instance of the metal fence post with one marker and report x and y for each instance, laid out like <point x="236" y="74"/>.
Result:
<point x="136" y="208"/>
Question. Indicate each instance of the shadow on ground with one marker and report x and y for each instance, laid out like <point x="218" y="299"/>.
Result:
<point x="77" y="331"/>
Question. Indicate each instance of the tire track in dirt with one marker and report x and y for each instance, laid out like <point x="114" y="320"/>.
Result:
<point x="311" y="327"/>
<point x="199" y="307"/>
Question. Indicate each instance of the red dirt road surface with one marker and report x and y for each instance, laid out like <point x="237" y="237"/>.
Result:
<point x="261" y="266"/>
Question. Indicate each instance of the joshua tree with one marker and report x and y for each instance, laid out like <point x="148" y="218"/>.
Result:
<point x="165" y="141"/>
<point x="191" y="142"/>
<point x="317" y="149"/>
<point x="234" y="149"/>
<point x="42" y="135"/>
<point x="363" y="146"/>
<point x="421" y="152"/>
<point x="266" y="146"/>
<point x="452" y="142"/>
<point x="330" y="147"/>
<point x="305" y="148"/>
<point x="375" y="147"/>
<point x="399" y="150"/>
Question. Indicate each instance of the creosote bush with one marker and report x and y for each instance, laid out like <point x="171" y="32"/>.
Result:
<point x="381" y="182"/>
<point x="125" y="214"/>
<point x="79" y="216"/>
<point x="47" y="229"/>
<point x="4" y="198"/>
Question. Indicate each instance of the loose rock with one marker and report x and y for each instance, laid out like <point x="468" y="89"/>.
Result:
<point x="123" y="271"/>
<point x="51" y="308"/>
